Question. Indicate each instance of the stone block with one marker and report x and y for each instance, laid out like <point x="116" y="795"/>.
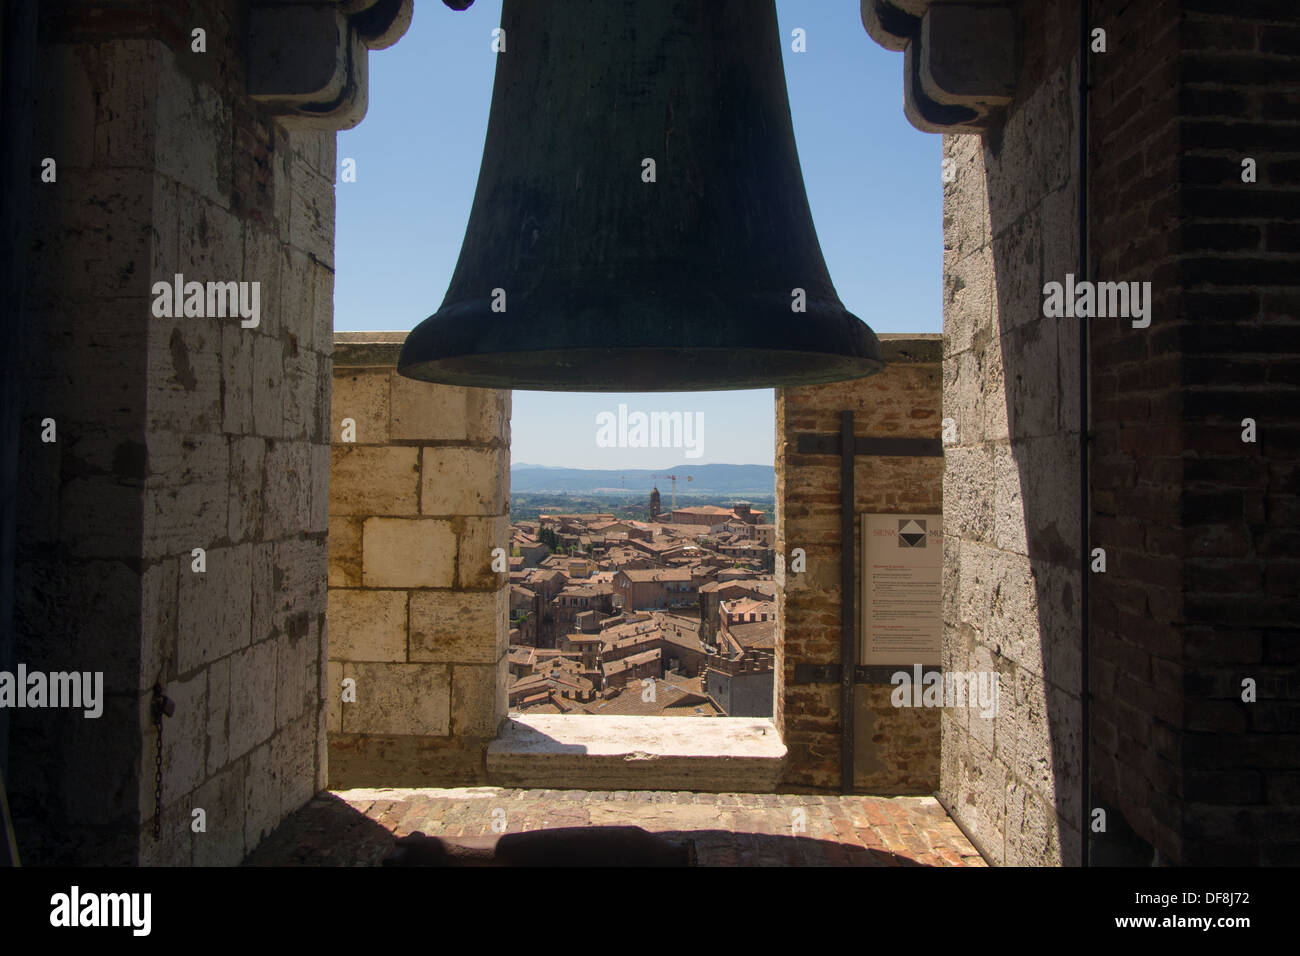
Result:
<point x="237" y="379"/>
<point x="408" y="553"/>
<point x="247" y="463"/>
<point x="322" y="313"/>
<point x="218" y="719"/>
<point x="997" y="422"/>
<point x="165" y="256"/>
<point x="184" y="375"/>
<point x="296" y="290"/>
<point x="459" y="626"/>
<point x="210" y="243"/>
<point x="222" y="801"/>
<point x="424" y="411"/>
<point x="963" y="396"/>
<point x="1017" y="273"/>
<point x="104" y="245"/>
<point x="174" y="846"/>
<point x="286" y="492"/>
<point x="1008" y="499"/>
<point x="374" y="481"/>
<point x="345" y="552"/>
<point x="319" y="501"/>
<point x="478" y="699"/>
<point x="252" y="697"/>
<point x="1051" y="488"/>
<point x="1009" y="586"/>
<point x="487" y="415"/>
<point x="69" y="101"/>
<point x="261" y="797"/>
<point x="214" y="607"/>
<point x="193" y="135"/>
<point x="263" y="262"/>
<point x="463" y="481"/>
<point x="299" y="392"/>
<point x="477" y="538"/>
<point x="184" y="736"/>
<point x="320" y="429"/>
<point x="282" y="163"/>
<point x="268" y="383"/>
<point x="399" y="699"/>
<point x="965" y="223"/>
<point x="298" y="656"/>
<point x="333" y="694"/>
<point x="368" y="625"/>
<point x="360" y="394"/>
<point x="264" y="591"/>
<point x="1061" y="242"/>
<point x="293" y="751"/>
<point x="323" y="726"/>
<point x="158" y="619"/>
<point x="126" y="116"/>
<point x="299" y="584"/>
<point x="968" y="485"/>
<point x="311" y="212"/>
<point x="1029" y="358"/>
<point x="176" y="520"/>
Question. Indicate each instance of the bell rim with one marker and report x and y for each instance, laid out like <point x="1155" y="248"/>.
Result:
<point x="633" y="370"/>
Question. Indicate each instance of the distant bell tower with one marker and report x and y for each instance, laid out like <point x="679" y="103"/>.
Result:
<point x="654" y="503"/>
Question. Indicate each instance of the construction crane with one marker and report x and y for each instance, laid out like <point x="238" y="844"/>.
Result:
<point x="674" y="481"/>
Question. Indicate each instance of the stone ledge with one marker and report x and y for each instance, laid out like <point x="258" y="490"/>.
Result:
<point x="367" y="349"/>
<point x="708" y="754"/>
<point x="910" y="348"/>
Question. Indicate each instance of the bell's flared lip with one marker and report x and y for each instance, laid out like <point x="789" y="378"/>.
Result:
<point x="655" y="369"/>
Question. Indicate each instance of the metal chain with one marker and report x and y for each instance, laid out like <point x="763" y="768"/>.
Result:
<point x="162" y="707"/>
<point x="157" y="776"/>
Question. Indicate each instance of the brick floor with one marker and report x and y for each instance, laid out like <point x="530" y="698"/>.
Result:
<point x="357" y="827"/>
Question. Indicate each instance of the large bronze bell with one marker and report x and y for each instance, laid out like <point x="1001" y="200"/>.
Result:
<point x="587" y="268"/>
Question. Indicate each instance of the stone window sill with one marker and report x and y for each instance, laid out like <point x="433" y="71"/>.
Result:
<point x="711" y="754"/>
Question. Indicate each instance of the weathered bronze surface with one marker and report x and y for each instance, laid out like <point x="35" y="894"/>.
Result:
<point x="612" y="283"/>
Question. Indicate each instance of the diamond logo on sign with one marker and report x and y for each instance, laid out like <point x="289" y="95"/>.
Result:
<point x="911" y="534"/>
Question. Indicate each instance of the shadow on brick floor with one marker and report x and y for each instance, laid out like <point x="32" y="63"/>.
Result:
<point x="330" y="831"/>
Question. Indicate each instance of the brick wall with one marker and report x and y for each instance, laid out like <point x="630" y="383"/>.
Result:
<point x="1136" y="382"/>
<point x="1201" y="589"/>
<point x="1241" y="504"/>
<point x="1010" y="485"/>
<point x="417" y="617"/>
<point x="897" y="749"/>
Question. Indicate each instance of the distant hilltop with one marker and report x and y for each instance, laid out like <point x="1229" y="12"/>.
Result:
<point x="705" y="480"/>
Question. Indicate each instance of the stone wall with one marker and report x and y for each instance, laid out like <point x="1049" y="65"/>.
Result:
<point x="173" y="434"/>
<point x="1011" y="482"/>
<point x="418" y="618"/>
<point x="897" y="749"/>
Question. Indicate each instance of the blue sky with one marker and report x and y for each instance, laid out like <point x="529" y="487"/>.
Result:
<point x="872" y="182"/>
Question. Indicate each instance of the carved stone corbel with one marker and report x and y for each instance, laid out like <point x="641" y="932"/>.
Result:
<point x="960" y="62"/>
<point x="307" y="59"/>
